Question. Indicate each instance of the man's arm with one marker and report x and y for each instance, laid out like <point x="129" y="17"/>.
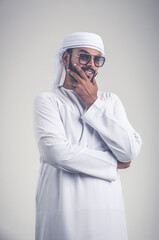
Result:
<point x="108" y="118"/>
<point x="56" y="150"/>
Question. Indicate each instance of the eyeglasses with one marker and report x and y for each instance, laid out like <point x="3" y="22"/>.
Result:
<point x="85" y="58"/>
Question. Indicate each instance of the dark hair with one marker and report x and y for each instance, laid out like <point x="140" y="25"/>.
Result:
<point x="69" y="50"/>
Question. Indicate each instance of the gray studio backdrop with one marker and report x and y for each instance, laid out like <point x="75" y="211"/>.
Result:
<point x="30" y="33"/>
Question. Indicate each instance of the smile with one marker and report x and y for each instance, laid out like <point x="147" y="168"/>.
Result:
<point x="88" y="72"/>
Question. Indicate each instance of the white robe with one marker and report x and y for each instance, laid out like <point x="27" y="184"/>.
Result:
<point x="79" y="194"/>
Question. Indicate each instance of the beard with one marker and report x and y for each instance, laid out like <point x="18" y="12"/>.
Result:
<point x="72" y="68"/>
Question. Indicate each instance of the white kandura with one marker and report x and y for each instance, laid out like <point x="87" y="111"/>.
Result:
<point x="79" y="195"/>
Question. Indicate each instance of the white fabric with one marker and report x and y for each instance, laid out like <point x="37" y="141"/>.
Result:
<point x="74" y="40"/>
<point x="79" y="194"/>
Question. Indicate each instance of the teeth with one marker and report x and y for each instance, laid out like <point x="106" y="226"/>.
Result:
<point x="88" y="72"/>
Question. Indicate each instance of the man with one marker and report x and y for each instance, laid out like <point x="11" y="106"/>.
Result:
<point x="83" y="137"/>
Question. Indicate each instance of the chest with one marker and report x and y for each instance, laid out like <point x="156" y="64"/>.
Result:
<point x="77" y="130"/>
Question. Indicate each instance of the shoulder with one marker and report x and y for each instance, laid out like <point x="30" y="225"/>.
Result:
<point x="46" y="99"/>
<point x="43" y="96"/>
<point x="52" y="96"/>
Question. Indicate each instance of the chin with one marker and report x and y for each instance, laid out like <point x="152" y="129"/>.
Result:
<point x="89" y="77"/>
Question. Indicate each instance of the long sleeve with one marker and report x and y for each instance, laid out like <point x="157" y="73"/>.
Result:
<point x="107" y="116"/>
<point x="56" y="150"/>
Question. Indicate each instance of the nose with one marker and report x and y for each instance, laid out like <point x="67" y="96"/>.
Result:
<point x="91" y="62"/>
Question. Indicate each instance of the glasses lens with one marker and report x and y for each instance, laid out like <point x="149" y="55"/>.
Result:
<point x="99" y="61"/>
<point x="84" y="58"/>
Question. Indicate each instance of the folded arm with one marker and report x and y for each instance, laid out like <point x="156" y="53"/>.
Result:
<point x="108" y="118"/>
<point x="56" y="150"/>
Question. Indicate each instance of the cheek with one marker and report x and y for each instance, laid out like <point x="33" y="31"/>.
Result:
<point x="74" y="59"/>
<point x="96" y="70"/>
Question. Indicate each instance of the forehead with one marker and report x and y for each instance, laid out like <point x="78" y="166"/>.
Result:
<point x="87" y="50"/>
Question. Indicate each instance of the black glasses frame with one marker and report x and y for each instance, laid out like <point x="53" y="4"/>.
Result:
<point x="90" y="56"/>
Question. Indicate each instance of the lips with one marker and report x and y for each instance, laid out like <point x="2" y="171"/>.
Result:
<point x="88" y="71"/>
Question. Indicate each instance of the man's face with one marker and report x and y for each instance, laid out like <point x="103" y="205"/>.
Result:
<point x="90" y="69"/>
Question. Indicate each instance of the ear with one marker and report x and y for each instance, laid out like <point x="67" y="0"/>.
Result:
<point x="65" y="59"/>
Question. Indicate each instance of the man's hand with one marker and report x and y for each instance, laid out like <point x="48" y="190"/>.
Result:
<point x="85" y="90"/>
<point x="123" y="165"/>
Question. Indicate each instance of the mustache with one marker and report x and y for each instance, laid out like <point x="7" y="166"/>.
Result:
<point x="89" y="68"/>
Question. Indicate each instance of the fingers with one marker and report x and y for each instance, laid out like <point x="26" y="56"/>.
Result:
<point x="74" y="75"/>
<point x="81" y="72"/>
<point x="82" y="80"/>
<point x="123" y="165"/>
<point x="73" y="79"/>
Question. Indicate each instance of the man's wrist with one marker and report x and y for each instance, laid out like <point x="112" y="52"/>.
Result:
<point x="91" y="103"/>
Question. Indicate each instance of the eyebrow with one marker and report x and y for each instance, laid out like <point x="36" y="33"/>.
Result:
<point x="82" y="50"/>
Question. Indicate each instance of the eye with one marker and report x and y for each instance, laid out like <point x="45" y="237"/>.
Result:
<point x="97" y="59"/>
<point x="84" y="57"/>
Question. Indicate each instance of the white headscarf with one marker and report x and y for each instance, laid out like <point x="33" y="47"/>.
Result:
<point x="74" y="40"/>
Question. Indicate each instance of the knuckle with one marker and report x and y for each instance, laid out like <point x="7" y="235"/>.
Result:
<point x="127" y="165"/>
<point x="78" y="68"/>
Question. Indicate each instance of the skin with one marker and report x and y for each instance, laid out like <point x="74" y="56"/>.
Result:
<point x="84" y="89"/>
<point x="79" y="80"/>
